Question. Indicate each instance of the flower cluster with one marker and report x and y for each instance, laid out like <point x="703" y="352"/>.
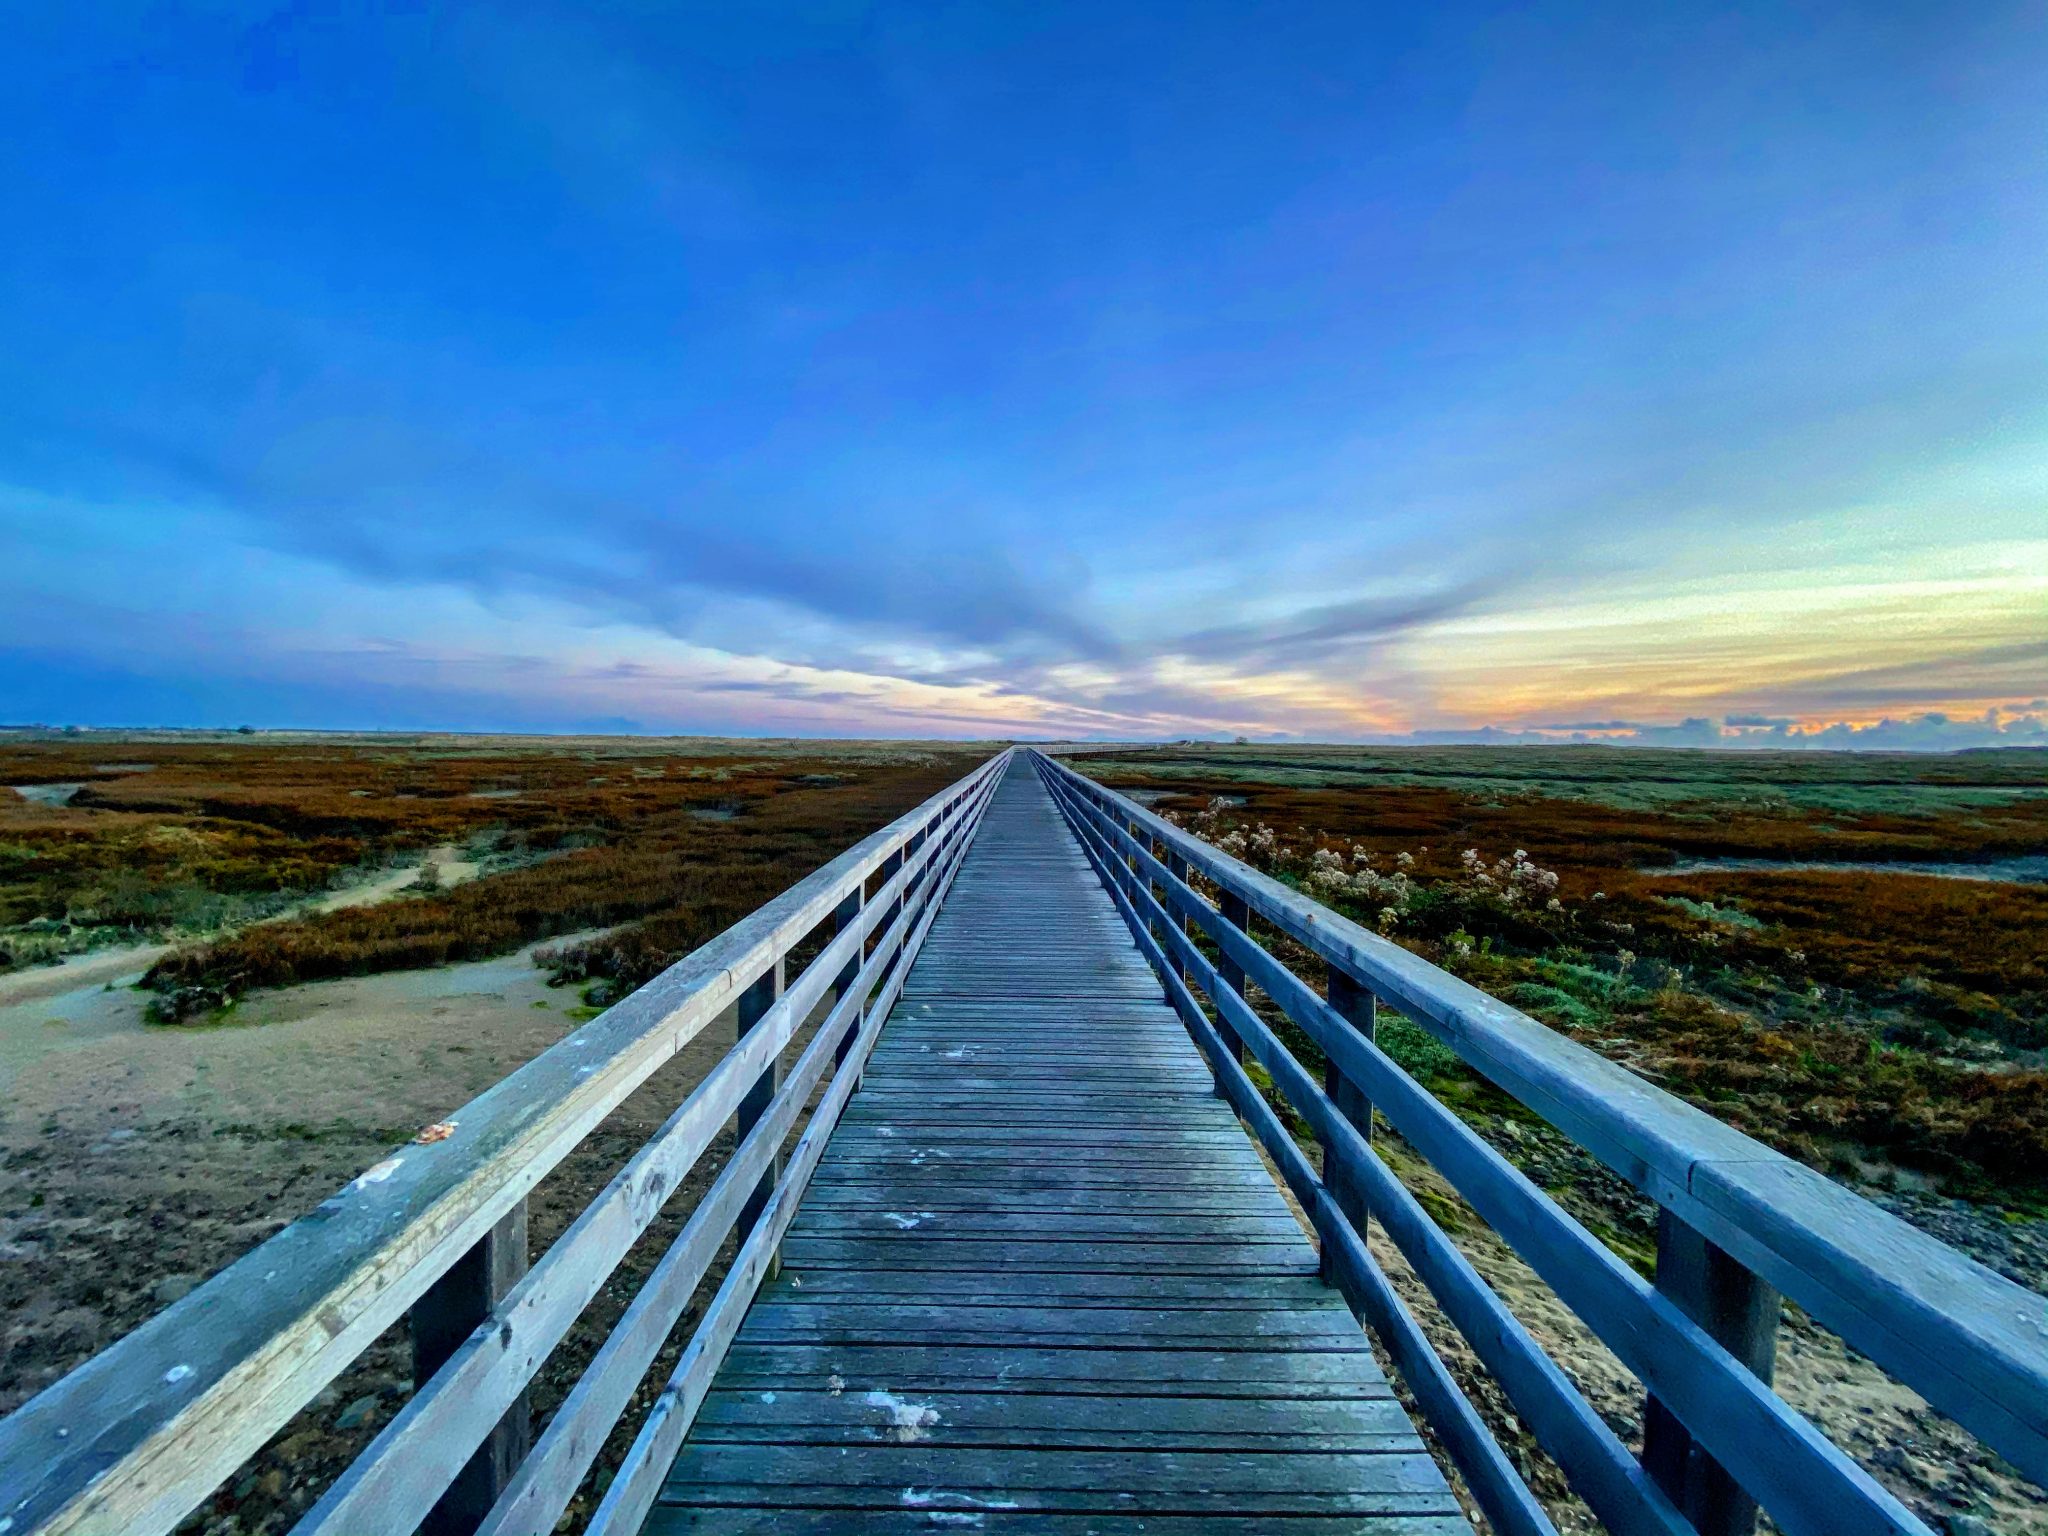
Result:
<point x="1514" y="882"/>
<point x="1261" y="848"/>
<point x="1393" y="890"/>
<point x="1329" y="876"/>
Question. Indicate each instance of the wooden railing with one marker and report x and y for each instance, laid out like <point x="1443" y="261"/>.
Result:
<point x="138" y="1436"/>
<point x="1739" y="1224"/>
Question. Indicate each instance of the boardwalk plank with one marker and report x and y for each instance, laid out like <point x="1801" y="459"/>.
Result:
<point x="1099" y="1421"/>
<point x="744" y="1521"/>
<point x="1130" y="1374"/>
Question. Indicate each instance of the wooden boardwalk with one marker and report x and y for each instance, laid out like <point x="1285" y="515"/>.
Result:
<point x="1042" y="1281"/>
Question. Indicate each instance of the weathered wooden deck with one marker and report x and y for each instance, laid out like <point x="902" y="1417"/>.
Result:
<point x="1041" y="1280"/>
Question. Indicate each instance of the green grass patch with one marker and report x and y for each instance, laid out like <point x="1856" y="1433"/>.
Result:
<point x="1416" y="1051"/>
<point x="1730" y="916"/>
<point x="1553" y="1005"/>
<point x="1792" y="783"/>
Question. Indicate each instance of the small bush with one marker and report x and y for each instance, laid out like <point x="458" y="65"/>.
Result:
<point x="1415" y="1050"/>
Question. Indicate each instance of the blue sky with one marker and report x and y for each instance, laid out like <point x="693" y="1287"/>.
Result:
<point x="1322" y="370"/>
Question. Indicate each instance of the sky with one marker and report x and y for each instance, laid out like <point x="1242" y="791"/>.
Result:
<point x="1342" y="371"/>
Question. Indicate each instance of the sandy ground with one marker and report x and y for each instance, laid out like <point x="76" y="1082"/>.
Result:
<point x="448" y="862"/>
<point x="135" y="1158"/>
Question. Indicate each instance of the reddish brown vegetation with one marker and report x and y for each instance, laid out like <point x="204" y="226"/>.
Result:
<point x="690" y="842"/>
<point x="690" y="876"/>
<point x="1832" y="1013"/>
<point x="1871" y="932"/>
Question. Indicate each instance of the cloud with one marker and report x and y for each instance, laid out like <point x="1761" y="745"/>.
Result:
<point x="1309" y="635"/>
<point x="1932" y="732"/>
<point x="2022" y="725"/>
<point x="809" y="588"/>
<point x="1959" y="672"/>
<point x="695" y="363"/>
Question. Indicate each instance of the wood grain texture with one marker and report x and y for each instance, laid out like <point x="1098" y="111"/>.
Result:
<point x="408" y="1464"/>
<point x="1741" y="1312"/>
<point x="633" y="1490"/>
<point x="1593" y="1458"/>
<point x="444" y="1319"/>
<point x="1040" y="1274"/>
<point x="545" y="1484"/>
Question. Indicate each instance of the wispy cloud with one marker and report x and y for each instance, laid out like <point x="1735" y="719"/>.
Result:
<point x="1309" y="636"/>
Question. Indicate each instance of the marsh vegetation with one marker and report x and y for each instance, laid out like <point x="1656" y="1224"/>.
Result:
<point x="344" y="930"/>
<point x="225" y="848"/>
<point x="323" y="913"/>
<point x="1817" y="988"/>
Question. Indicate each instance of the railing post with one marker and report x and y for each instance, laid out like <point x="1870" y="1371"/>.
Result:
<point x="441" y="1320"/>
<point x="844" y="916"/>
<point x="884" y="872"/>
<point x="1177" y="866"/>
<point x="754" y="1003"/>
<point x="1741" y="1313"/>
<point x="1157" y="849"/>
<point x="1239" y="915"/>
<point x="1129" y="861"/>
<point x="1360" y="1009"/>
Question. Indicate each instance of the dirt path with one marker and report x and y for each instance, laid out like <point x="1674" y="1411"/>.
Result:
<point x="448" y="864"/>
<point x="124" y="965"/>
<point x="80" y="973"/>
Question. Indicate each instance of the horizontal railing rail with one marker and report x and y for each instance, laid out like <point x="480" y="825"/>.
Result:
<point x="140" y="1435"/>
<point x="1738" y="1222"/>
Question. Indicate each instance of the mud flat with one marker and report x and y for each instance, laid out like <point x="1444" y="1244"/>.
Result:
<point x="135" y="1159"/>
<point x="2027" y="869"/>
<point x="48" y="794"/>
<point x="68" y="988"/>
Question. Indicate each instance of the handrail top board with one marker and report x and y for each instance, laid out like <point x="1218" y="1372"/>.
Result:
<point x="1970" y="1340"/>
<point x="228" y="1364"/>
